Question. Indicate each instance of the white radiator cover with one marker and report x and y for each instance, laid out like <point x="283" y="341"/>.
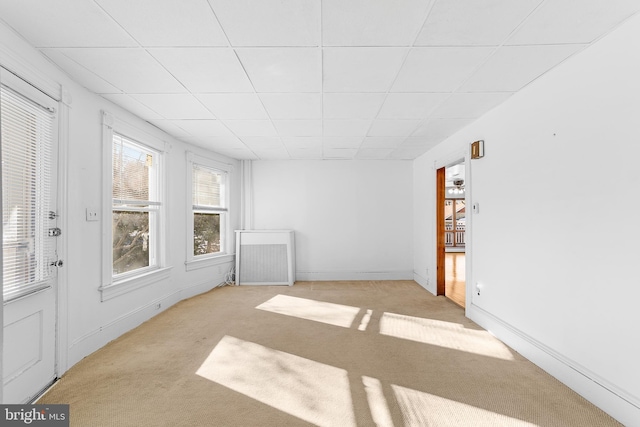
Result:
<point x="265" y="257"/>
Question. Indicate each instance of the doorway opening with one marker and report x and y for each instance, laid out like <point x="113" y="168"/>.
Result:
<point x="451" y="228"/>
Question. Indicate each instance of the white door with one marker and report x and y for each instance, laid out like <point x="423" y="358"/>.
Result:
<point x="29" y="145"/>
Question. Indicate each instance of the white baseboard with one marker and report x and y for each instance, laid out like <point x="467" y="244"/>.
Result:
<point x="353" y="275"/>
<point x="620" y="404"/>
<point x="423" y="281"/>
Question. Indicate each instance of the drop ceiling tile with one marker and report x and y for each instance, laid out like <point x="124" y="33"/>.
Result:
<point x="242" y="128"/>
<point x="346" y="127"/>
<point x="382" y="141"/>
<point x="421" y="141"/>
<point x="382" y="127"/>
<point x="174" y="105"/>
<point x="475" y="23"/>
<point x="263" y="143"/>
<point x="439" y="69"/>
<point x="167" y="22"/>
<point x="130" y="70"/>
<point x="204" y="69"/>
<point x="374" y="153"/>
<point x="80" y="74"/>
<point x="513" y="67"/>
<point x="269" y="22"/>
<point x="352" y="105"/>
<point x="298" y="127"/>
<point x="435" y="129"/>
<point x="305" y="153"/>
<point x="272" y="154"/>
<point x="63" y="23"/>
<point x="339" y="153"/>
<point x="204" y="128"/>
<point x="302" y="142"/>
<point x="469" y="105"/>
<point x="372" y="23"/>
<point x="342" y="142"/>
<point x="238" y="153"/>
<point x="408" y="153"/>
<point x="132" y="105"/>
<point x="361" y="69"/>
<point x="170" y="128"/>
<point x="240" y="106"/>
<point x="283" y="70"/>
<point x="293" y="105"/>
<point x="410" y="105"/>
<point x="573" y="21"/>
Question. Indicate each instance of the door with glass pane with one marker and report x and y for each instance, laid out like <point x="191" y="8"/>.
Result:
<point x="28" y="127"/>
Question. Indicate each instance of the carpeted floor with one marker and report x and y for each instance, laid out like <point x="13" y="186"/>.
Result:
<point x="317" y="353"/>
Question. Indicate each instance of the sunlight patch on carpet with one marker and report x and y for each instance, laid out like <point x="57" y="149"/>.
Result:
<point x="312" y="391"/>
<point x="318" y="311"/>
<point x="424" y="409"/>
<point x="377" y="402"/>
<point x="443" y="334"/>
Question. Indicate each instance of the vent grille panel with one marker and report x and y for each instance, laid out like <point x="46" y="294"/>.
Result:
<point x="264" y="263"/>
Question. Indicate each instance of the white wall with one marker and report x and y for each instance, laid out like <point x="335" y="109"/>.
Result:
<point x="352" y="219"/>
<point x="562" y="285"/>
<point x="86" y="323"/>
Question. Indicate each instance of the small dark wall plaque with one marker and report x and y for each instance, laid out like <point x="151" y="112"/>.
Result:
<point x="477" y="149"/>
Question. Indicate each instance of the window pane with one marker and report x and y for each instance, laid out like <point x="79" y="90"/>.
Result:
<point x="207" y="187"/>
<point x="131" y="170"/>
<point x="130" y="241"/>
<point x="206" y="233"/>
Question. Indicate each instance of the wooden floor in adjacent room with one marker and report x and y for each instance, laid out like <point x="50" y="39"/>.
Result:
<point x="454" y="267"/>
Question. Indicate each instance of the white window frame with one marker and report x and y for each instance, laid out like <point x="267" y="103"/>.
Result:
<point x="225" y="255"/>
<point x="115" y="285"/>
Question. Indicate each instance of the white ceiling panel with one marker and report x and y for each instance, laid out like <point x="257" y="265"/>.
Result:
<point x="298" y="127"/>
<point x="346" y="127"/>
<point x="372" y="23"/>
<point x="339" y="153"/>
<point x="573" y="21"/>
<point x="263" y="143"/>
<point x="251" y="127"/>
<point x="272" y="154"/>
<point x="134" y="106"/>
<point x="342" y="142"/>
<point x="204" y="128"/>
<point x="469" y="105"/>
<point x="382" y="127"/>
<point x="513" y="67"/>
<point x="239" y="106"/>
<point x="305" y="142"/>
<point x="269" y="22"/>
<point x="171" y="128"/>
<point x="80" y="74"/>
<point x="167" y="22"/>
<point x="408" y="153"/>
<point x="64" y="23"/>
<point x="204" y="70"/>
<point x="473" y="23"/>
<point x="410" y="105"/>
<point x="293" y="105"/>
<point x="361" y="69"/>
<point x="175" y="105"/>
<point x="238" y="153"/>
<point x="382" y="142"/>
<point x="374" y="153"/>
<point x="283" y="70"/>
<point x="352" y="105"/>
<point x="439" y="69"/>
<point x="130" y="70"/>
<point x="439" y="128"/>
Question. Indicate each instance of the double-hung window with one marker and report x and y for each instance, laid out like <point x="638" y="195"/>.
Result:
<point x="134" y="215"/>
<point x="207" y="228"/>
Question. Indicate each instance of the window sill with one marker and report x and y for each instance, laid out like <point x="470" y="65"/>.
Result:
<point x="127" y="285"/>
<point x="196" y="264"/>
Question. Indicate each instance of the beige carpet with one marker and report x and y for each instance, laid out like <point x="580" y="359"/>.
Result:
<point x="317" y="353"/>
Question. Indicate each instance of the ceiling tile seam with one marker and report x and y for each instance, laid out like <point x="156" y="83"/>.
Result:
<point x="404" y="60"/>
<point x="115" y="21"/>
